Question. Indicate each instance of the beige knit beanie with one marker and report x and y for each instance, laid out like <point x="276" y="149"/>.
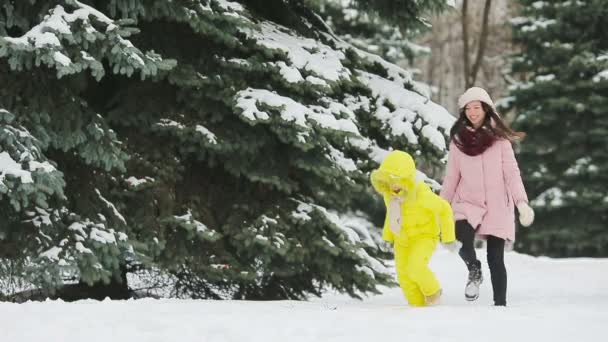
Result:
<point x="475" y="94"/>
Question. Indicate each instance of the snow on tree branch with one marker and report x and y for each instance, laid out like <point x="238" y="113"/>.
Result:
<point x="52" y="42"/>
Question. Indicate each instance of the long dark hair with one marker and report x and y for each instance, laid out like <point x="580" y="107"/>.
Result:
<point x="474" y="141"/>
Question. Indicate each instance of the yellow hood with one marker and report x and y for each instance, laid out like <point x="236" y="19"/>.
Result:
<point x="398" y="168"/>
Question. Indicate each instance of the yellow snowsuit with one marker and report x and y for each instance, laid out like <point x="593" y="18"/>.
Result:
<point x="425" y="217"/>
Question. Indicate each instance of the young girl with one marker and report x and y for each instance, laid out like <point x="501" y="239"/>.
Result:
<point x="483" y="185"/>
<point x="416" y="218"/>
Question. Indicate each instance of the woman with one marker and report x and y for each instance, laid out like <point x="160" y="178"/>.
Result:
<point x="483" y="185"/>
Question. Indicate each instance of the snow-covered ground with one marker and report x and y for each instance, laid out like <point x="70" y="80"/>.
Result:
<point x="549" y="300"/>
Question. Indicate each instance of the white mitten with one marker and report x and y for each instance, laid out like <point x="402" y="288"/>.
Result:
<point x="394" y="214"/>
<point x="453" y="246"/>
<point x="526" y="214"/>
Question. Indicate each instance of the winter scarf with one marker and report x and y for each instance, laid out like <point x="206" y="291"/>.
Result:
<point x="473" y="142"/>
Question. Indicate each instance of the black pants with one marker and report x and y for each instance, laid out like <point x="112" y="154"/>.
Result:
<point x="496" y="253"/>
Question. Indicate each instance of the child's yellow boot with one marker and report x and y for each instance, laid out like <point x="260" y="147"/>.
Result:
<point x="433" y="299"/>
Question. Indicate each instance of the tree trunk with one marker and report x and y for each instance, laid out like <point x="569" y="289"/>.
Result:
<point x="116" y="289"/>
<point x="465" y="42"/>
<point x="483" y="37"/>
<point x="444" y="68"/>
<point x="470" y="72"/>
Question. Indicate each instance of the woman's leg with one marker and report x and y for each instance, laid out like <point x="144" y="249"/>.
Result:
<point x="498" y="272"/>
<point x="466" y="234"/>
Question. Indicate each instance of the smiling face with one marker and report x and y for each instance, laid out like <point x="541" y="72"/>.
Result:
<point x="396" y="189"/>
<point x="475" y="113"/>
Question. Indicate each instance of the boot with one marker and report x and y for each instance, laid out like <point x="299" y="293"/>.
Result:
<point x="471" y="291"/>
<point x="433" y="299"/>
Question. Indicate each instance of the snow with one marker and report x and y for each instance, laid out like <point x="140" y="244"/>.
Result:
<point x="302" y="212"/>
<point x="8" y="166"/>
<point x="44" y="166"/>
<point x="277" y="239"/>
<point x="398" y="123"/>
<point x="345" y="224"/>
<point x="367" y="232"/>
<point x="86" y="10"/>
<point x="82" y="249"/>
<point x="337" y="107"/>
<point x="78" y="227"/>
<point x="539" y="4"/>
<point x="229" y="5"/>
<point x="520" y="86"/>
<point x="334" y="218"/>
<point x="303" y="53"/>
<point x="552" y="197"/>
<point x="58" y="21"/>
<point x="261" y="238"/>
<point x="135" y="182"/>
<point x="39" y="218"/>
<point x="238" y="61"/>
<point x="560" y="45"/>
<point x="206" y="133"/>
<point x="581" y="165"/>
<point x="52" y="253"/>
<point x="266" y="220"/>
<point x="291" y="111"/>
<point x="545" y="78"/>
<point x="112" y="207"/>
<point x="601" y="76"/>
<point x="122" y="236"/>
<point x="102" y="236"/>
<point x="47" y="36"/>
<point x="339" y="159"/>
<point x="538" y="24"/>
<point x="518" y="20"/>
<point x="316" y="81"/>
<point x="290" y="74"/>
<point x="549" y="300"/>
<point x="328" y="242"/>
<point x="199" y="226"/>
<point x="410" y="105"/>
<point x="309" y="61"/>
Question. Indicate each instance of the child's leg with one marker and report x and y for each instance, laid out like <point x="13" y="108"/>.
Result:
<point x="417" y="266"/>
<point x="498" y="272"/>
<point x="410" y="289"/>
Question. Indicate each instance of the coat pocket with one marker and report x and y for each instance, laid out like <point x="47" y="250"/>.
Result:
<point x="509" y="199"/>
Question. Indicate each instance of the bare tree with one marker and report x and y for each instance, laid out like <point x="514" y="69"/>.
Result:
<point x="488" y="37"/>
<point x="470" y="72"/>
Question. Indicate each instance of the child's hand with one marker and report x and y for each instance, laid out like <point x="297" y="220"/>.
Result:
<point x="453" y="246"/>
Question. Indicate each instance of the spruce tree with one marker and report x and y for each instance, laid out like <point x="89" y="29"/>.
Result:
<point x="379" y="26"/>
<point x="222" y="146"/>
<point x="563" y="107"/>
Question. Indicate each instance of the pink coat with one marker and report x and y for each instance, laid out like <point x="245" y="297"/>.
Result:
<point x="484" y="189"/>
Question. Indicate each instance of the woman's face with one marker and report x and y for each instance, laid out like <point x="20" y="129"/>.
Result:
<point x="475" y="114"/>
